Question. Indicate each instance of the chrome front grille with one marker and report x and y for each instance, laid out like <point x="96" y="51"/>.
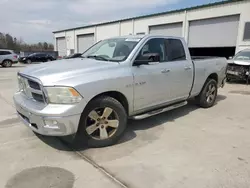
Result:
<point x="31" y="88"/>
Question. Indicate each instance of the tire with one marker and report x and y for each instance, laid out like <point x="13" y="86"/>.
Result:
<point x="207" y="98"/>
<point x="7" y="63"/>
<point x="118" y="117"/>
<point x="29" y="61"/>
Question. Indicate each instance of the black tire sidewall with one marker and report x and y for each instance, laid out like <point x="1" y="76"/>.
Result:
<point x="202" y="100"/>
<point x="102" y="102"/>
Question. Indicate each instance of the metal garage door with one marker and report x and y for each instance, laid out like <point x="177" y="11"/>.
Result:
<point x="84" y="42"/>
<point x="61" y="46"/>
<point x="174" y="29"/>
<point x="215" y="32"/>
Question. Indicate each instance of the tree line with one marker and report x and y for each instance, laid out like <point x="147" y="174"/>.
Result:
<point x="9" y="42"/>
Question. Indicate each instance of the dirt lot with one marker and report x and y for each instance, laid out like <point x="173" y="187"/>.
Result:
<point x="188" y="147"/>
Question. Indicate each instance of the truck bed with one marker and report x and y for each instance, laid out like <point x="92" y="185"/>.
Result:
<point x="203" y="67"/>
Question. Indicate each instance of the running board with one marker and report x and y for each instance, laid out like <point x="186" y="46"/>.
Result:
<point x="158" y="111"/>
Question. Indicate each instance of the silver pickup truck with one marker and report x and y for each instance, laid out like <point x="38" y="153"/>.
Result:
<point x="133" y="77"/>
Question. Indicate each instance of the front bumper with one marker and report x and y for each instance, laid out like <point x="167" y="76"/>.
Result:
<point x="51" y="119"/>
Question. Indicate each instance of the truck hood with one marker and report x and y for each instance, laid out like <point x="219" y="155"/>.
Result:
<point x="239" y="62"/>
<point x="55" y="71"/>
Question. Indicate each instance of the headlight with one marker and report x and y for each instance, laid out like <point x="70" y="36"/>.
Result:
<point x="24" y="58"/>
<point x="20" y="83"/>
<point x="62" y="95"/>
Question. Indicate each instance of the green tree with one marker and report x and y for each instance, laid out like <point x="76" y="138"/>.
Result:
<point x="9" y="41"/>
<point x="45" y="46"/>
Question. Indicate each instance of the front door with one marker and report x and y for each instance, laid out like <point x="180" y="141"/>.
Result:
<point x="150" y="81"/>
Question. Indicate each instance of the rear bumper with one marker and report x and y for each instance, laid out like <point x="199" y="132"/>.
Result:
<point x="15" y="62"/>
<point x="50" y="120"/>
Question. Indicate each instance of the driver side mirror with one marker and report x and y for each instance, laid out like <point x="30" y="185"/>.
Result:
<point x="147" y="58"/>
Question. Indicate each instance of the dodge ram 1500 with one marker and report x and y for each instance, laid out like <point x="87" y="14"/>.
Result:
<point x="118" y="78"/>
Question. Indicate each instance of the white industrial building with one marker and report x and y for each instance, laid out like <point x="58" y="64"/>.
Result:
<point x="218" y="29"/>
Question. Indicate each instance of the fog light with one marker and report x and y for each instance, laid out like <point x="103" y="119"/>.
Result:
<point x="52" y="124"/>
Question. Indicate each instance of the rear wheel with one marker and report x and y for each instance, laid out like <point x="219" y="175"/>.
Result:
<point x="208" y="94"/>
<point x="102" y="123"/>
<point x="7" y="63"/>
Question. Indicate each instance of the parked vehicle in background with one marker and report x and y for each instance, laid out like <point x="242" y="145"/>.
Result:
<point x="239" y="66"/>
<point x="76" y="55"/>
<point x="119" y="78"/>
<point x="7" y="58"/>
<point x="36" y="57"/>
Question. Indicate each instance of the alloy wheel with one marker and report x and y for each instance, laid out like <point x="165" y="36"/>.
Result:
<point x="8" y="63"/>
<point x="102" y="123"/>
<point x="211" y="93"/>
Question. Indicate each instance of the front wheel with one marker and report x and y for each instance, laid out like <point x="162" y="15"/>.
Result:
<point x="102" y="123"/>
<point x="208" y="94"/>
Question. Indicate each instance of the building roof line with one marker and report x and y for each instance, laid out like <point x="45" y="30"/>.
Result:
<point x="154" y="14"/>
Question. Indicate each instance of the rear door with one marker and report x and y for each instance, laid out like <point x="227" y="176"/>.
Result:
<point x="38" y="58"/>
<point x="180" y="70"/>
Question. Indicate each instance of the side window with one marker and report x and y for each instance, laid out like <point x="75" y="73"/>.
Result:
<point x="153" y="46"/>
<point x="40" y="55"/>
<point x="174" y="50"/>
<point x="4" y="53"/>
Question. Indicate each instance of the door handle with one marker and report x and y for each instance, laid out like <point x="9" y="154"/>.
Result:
<point x="164" y="71"/>
<point x="187" y="68"/>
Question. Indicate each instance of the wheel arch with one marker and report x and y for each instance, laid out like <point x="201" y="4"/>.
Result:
<point x="213" y="76"/>
<point x="7" y="60"/>
<point x="116" y="95"/>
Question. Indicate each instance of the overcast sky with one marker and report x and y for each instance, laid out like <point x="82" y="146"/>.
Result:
<point x="34" y="20"/>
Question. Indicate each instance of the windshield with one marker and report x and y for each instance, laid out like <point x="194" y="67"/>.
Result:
<point x="245" y="55"/>
<point x="117" y="49"/>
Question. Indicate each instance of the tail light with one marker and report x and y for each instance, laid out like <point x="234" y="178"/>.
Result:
<point x="15" y="56"/>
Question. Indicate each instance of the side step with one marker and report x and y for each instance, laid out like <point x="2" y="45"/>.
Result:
<point x="158" y="111"/>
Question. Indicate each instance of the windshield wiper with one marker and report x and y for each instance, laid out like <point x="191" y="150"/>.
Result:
<point x="98" y="57"/>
